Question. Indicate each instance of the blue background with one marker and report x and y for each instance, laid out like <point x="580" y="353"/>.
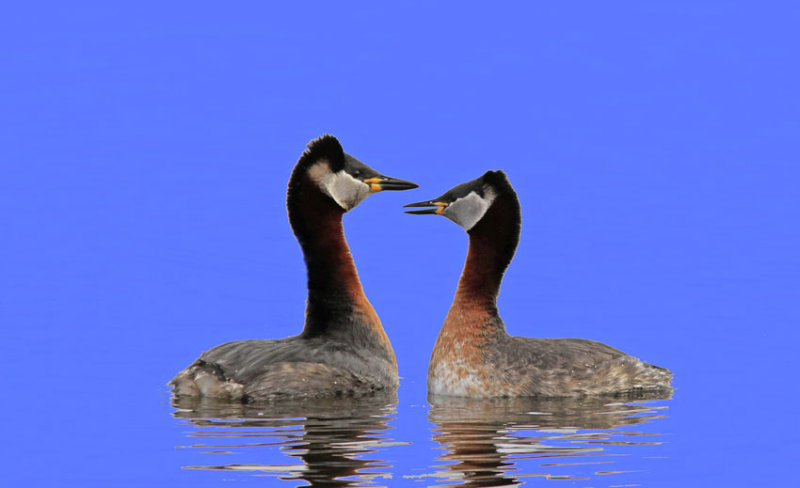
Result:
<point x="146" y="148"/>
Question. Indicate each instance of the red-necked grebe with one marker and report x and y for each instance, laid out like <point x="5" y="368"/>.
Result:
<point x="474" y="356"/>
<point x="343" y="349"/>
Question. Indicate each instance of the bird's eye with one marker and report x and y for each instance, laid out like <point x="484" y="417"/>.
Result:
<point x="357" y="173"/>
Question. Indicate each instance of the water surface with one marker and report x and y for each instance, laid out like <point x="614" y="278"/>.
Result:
<point x="346" y="442"/>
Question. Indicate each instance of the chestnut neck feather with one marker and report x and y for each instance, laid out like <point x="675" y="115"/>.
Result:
<point x="492" y="242"/>
<point x="334" y="290"/>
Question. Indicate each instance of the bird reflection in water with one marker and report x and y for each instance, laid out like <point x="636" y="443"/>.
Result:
<point x="561" y="439"/>
<point x="330" y="436"/>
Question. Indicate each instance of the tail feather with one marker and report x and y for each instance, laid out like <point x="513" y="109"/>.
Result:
<point x="206" y="379"/>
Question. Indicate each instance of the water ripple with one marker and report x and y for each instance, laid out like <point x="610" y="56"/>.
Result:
<point x="498" y="442"/>
<point x="486" y="440"/>
<point x="331" y="438"/>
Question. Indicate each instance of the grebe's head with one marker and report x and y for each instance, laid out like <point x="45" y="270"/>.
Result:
<point x="467" y="203"/>
<point x="342" y="177"/>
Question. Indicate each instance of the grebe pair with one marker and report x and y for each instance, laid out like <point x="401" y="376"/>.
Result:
<point x="343" y="349"/>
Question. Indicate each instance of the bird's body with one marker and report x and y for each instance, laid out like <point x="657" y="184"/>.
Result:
<point x="291" y="367"/>
<point x="491" y="363"/>
<point x="343" y="349"/>
<point x="474" y="356"/>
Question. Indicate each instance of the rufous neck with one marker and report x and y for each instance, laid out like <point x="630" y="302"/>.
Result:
<point x="480" y="280"/>
<point x="492" y="242"/>
<point x="331" y="270"/>
<point x="334" y="289"/>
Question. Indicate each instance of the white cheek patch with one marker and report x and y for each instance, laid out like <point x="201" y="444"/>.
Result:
<point x="468" y="210"/>
<point x="346" y="190"/>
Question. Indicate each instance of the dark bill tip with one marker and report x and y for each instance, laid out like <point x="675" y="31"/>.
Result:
<point x="435" y="208"/>
<point x="426" y="203"/>
<point x="396" y="184"/>
<point x="425" y="211"/>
